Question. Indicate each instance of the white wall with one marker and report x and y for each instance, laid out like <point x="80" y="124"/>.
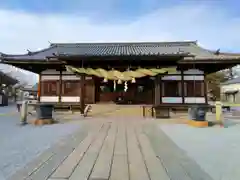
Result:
<point x="199" y="76"/>
<point x="46" y="75"/>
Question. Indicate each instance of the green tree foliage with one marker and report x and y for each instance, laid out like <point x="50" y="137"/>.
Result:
<point x="231" y="73"/>
<point x="213" y="84"/>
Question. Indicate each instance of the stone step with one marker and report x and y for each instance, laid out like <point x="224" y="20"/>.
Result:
<point x="118" y="110"/>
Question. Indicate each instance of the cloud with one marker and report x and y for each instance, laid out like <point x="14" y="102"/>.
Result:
<point x="211" y="26"/>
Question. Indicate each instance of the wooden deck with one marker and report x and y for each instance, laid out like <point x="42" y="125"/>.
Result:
<point x="120" y="149"/>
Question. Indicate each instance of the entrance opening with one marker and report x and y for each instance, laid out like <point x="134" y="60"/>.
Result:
<point x="140" y="92"/>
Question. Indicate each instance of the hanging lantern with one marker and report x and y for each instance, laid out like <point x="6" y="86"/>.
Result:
<point x="119" y="81"/>
<point x="105" y="80"/>
<point x="133" y="80"/>
<point x="114" y="85"/>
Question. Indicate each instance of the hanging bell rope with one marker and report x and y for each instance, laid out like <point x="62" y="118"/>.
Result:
<point x="114" y="85"/>
<point x="125" y="86"/>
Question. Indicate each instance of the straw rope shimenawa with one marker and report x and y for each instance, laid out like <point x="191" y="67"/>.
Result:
<point x="127" y="75"/>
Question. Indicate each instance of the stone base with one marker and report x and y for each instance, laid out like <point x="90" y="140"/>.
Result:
<point x="40" y="122"/>
<point x="198" y="123"/>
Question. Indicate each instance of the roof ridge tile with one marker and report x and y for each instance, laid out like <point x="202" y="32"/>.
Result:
<point x="126" y="43"/>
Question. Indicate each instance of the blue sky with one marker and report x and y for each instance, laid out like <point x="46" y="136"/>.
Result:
<point x="115" y="8"/>
<point x="107" y="10"/>
<point x="31" y="24"/>
<point x="120" y="7"/>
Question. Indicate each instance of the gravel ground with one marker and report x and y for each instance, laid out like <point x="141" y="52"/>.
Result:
<point x="21" y="144"/>
<point x="215" y="149"/>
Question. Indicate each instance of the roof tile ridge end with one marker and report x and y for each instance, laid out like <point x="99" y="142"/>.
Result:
<point x="42" y="50"/>
<point x="196" y="45"/>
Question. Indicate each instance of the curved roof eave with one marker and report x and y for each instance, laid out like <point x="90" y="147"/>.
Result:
<point x="7" y="79"/>
<point x="232" y="81"/>
<point x="187" y="48"/>
<point x="36" y="55"/>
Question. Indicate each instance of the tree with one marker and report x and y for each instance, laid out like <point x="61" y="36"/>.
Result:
<point x="213" y="85"/>
<point x="232" y="72"/>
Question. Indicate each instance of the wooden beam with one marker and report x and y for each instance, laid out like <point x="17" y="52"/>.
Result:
<point x="209" y="61"/>
<point x="31" y="61"/>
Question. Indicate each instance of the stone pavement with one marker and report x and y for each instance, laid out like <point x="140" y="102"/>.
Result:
<point x="114" y="149"/>
<point x="21" y="144"/>
<point x="216" y="149"/>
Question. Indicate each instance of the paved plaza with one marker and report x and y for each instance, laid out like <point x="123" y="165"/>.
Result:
<point x="215" y="149"/>
<point x="117" y="149"/>
<point x="21" y="144"/>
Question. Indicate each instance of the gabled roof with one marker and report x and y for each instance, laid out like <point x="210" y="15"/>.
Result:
<point x="104" y="49"/>
<point x="232" y="81"/>
<point x="188" y="49"/>
<point x="31" y="88"/>
<point x="37" y="55"/>
<point x="6" y="78"/>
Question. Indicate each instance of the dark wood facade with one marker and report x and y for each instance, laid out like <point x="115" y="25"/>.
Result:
<point x="184" y="87"/>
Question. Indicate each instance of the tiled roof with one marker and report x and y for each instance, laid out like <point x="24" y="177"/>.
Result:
<point x="105" y="49"/>
<point x="31" y="88"/>
<point x="37" y="55"/>
<point x="124" y="49"/>
<point x="232" y="81"/>
<point x="7" y="79"/>
<point x="189" y="49"/>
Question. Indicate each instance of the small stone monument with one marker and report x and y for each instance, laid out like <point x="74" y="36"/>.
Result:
<point x="218" y="106"/>
<point x="24" y="112"/>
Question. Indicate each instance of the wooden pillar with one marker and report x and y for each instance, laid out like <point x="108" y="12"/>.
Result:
<point x="39" y="93"/>
<point x="205" y="89"/>
<point x="182" y="87"/>
<point x="60" y="87"/>
<point x="82" y="93"/>
<point x="157" y="96"/>
<point x="160" y="87"/>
